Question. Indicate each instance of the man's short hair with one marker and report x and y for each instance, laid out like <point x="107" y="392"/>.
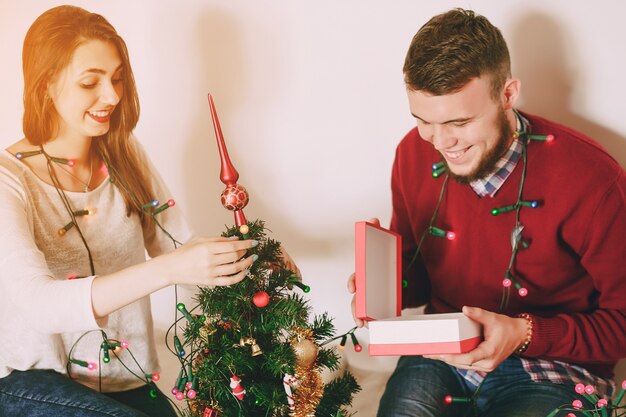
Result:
<point x="451" y="49"/>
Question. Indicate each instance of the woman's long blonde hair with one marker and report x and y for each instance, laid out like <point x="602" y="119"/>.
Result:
<point x="48" y="48"/>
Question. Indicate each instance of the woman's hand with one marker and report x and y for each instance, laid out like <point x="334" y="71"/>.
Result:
<point x="208" y="262"/>
<point x="503" y="335"/>
<point x="289" y="263"/>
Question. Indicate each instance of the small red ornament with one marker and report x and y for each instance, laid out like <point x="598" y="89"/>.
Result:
<point x="261" y="299"/>
<point x="234" y="197"/>
<point x="235" y="386"/>
<point x="210" y="412"/>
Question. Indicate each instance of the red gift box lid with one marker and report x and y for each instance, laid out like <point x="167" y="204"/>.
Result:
<point x="378" y="272"/>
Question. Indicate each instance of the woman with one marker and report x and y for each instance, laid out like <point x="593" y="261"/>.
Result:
<point x="77" y="216"/>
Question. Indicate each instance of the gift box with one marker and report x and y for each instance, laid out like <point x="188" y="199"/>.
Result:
<point x="378" y="300"/>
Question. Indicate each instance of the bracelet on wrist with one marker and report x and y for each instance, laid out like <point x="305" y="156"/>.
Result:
<point x="529" y="334"/>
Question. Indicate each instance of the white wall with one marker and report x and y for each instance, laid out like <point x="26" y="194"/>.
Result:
<point x="312" y="104"/>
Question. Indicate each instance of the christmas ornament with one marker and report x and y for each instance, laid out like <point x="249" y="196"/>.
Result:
<point x="289" y="381"/>
<point x="236" y="387"/>
<point x="234" y="197"/>
<point x="261" y="299"/>
<point x="310" y="386"/>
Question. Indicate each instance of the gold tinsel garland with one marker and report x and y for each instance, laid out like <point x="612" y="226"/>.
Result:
<point x="310" y="387"/>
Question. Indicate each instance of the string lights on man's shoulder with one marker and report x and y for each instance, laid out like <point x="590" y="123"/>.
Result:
<point x="439" y="169"/>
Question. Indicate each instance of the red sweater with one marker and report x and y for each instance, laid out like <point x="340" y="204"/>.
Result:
<point x="574" y="268"/>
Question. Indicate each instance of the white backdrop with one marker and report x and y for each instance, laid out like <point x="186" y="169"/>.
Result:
<point x="312" y="103"/>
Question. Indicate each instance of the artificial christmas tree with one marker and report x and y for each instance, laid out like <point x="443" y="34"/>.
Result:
<point x="251" y="349"/>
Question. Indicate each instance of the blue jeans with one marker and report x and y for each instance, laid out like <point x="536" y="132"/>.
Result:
<point x="39" y="393"/>
<point x="418" y="387"/>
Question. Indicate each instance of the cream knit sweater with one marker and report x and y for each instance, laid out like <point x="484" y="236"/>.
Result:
<point x="42" y="313"/>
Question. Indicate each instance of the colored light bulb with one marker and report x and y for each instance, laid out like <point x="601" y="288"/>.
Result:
<point x="342" y="344"/>
<point x="437" y="172"/>
<point x="180" y="396"/>
<point x="191" y="394"/>
<point x="124" y="344"/>
<point x="179" y="347"/>
<point x="506" y="283"/>
<point x="297" y="283"/>
<point x="577" y="404"/>
<point x="579" y="388"/>
<point x="450" y="235"/>
<point x="181" y="307"/>
<point x="449" y="399"/>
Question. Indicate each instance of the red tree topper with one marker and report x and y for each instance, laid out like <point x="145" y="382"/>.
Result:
<point x="234" y="197"/>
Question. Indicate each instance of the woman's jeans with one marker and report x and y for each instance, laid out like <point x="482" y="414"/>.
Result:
<point x="418" y="387"/>
<point x="41" y="393"/>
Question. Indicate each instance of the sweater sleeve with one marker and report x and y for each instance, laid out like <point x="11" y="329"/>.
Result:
<point x="27" y="287"/>
<point x="597" y="336"/>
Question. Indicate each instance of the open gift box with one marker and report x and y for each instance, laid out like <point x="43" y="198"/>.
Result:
<point x="378" y="299"/>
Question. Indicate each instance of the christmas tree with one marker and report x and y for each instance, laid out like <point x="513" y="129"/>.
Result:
<point x="252" y="349"/>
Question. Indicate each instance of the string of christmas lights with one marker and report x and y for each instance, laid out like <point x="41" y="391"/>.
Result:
<point x="108" y="346"/>
<point x="439" y="169"/>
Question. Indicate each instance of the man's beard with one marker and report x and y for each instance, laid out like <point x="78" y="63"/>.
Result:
<point x="489" y="160"/>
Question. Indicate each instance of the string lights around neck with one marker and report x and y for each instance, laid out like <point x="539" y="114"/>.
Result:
<point x="109" y="348"/>
<point x="509" y="280"/>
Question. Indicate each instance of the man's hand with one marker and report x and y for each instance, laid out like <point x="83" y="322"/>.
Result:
<point x="503" y="335"/>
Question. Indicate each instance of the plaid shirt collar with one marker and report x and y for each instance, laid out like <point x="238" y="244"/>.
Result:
<point x="489" y="185"/>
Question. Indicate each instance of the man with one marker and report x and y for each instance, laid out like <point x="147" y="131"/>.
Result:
<point x="538" y="211"/>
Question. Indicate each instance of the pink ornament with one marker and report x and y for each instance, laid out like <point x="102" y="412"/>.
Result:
<point x="261" y="299"/>
<point x="235" y="386"/>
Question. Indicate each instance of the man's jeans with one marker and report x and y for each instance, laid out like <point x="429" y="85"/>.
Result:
<point x="39" y="393"/>
<point x="418" y="387"/>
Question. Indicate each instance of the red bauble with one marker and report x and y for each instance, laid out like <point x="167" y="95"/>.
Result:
<point x="261" y="299"/>
<point x="234" y="197"/>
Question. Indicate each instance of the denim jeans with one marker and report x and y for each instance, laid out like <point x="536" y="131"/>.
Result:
<point x="39" y="393"/>
<point x="418" y="387"/>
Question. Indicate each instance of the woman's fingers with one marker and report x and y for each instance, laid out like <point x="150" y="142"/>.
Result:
<point x="234" y="268"/>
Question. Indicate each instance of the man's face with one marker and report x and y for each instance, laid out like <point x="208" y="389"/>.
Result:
<point x="469" y="128"/>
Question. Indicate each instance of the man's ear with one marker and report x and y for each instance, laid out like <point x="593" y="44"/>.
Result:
<point x="510" y="93"/>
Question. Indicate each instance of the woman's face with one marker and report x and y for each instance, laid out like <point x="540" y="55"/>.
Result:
<point x="86" y="92"/>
